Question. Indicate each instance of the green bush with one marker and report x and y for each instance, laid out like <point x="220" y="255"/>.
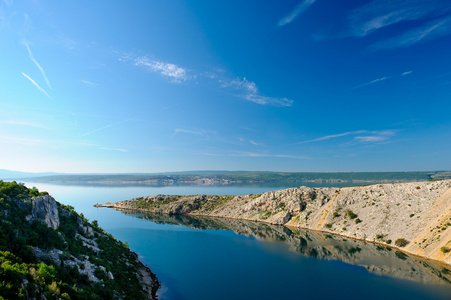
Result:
<point x="350" y="214"/>
<point x="444" y="249"/>
<point x="401" y="242"/>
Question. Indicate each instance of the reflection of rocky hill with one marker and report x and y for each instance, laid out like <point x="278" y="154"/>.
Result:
<point x="376" y="259"/>
<point x="414" y="217"/>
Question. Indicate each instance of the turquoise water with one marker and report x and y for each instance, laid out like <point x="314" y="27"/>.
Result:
<point x="195" y="259"/>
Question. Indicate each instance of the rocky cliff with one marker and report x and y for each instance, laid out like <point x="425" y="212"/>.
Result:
<point x="414" y="217"/>
<point x="49" y="251"/>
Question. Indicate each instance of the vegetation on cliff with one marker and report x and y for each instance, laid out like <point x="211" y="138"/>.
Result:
<point x="78" y="260"/>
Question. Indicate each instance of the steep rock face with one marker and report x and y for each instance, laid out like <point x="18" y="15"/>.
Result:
<point x="45" y="209"/>
<point x="417" y="212"/>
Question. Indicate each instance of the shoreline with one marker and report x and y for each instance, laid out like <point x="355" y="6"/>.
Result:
<point x="416" y="213"/>
<point x="422" y="257"/>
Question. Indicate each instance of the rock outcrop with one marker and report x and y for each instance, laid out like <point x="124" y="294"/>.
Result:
<point x="413" y="217"/>
<point x="45" y="209"/>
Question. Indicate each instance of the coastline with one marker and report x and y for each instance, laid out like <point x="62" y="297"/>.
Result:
<point x="419" y="212"/>
<point x="111" y="205"/>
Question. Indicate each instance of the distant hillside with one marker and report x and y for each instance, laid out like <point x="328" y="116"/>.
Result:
<point x="224" y="177"/>
<point x="49" y="251"/>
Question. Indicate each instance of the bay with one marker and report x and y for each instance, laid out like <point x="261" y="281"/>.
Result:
<point x="211" y="258"/>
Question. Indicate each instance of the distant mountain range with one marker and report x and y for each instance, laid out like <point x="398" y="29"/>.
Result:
<point x="224" y="177"/>
<point x="12" y="175"/>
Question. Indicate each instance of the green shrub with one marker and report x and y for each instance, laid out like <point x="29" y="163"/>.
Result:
<point x="444" y="249"/>
<point x="357" y="221"/>
<point x="388" y="242"/>
<point x="401" y="242"/>
<point x="329" y="225"/>
<point x="350" y="214"/>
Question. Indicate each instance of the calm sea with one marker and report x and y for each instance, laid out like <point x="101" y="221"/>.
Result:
<point x="209" y="258"/>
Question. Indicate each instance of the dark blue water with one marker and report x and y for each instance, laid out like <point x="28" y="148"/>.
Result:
<point x="195" y="260"/>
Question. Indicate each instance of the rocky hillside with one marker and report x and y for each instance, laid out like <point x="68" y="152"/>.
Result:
<point x="414" y="217"/>
<point x="48" y="251"/>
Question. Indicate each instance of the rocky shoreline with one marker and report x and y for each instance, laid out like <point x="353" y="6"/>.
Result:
<point x="413" y="217"/>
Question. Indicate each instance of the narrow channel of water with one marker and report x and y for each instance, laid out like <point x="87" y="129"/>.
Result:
<point x="211" y="258"/>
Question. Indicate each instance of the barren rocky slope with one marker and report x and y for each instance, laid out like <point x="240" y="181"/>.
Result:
<point x="415" y="217"/>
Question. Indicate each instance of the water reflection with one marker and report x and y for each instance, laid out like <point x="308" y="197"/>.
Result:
<point x="375" y="258"/>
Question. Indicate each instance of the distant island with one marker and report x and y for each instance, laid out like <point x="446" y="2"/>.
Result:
<point x="413" y="217"/>
<point x="208" y="178"/>
<point x="49" y="251"/>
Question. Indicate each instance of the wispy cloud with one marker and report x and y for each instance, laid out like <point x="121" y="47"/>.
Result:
<point x="169" y="70"/>
<point x="426" y="32"/>
<point x="23" y="123"/>
<point x="332" y="136"/>
<point x="22" y="141"/>
<point x="252" y="142"/>
<point x="365" y="136"/>
<point x="200" y="132"/>
<point x="378" y="14"/>
<point x="248" y="89"/>
<point x="250" y="92"/>
<point x="254" y="154"/>
<point x="107" y="126"/>
<point x="36" y="85"/>
<point x="88" y="83"/>
<point x="114" y="149"/>
<point x="370" y="82"/>
<point x="30" y="54"/>
<point x="295" y="13"/>
<point x="407" y="73"/>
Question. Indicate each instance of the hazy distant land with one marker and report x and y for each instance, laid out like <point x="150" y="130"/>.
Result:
<point x="230" y="177"/>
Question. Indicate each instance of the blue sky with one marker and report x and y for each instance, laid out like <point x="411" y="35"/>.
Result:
<point x="154" y="86"/>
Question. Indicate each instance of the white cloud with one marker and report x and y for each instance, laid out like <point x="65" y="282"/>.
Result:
<point x="362" y="136"/>
<point x="22" y="141"/>
<point x="36" y="85"/>
<point x="250" y="142"/>
<point x="295" y="13"/>
<point x="407" y="73"/>
<point x="89" y="83"/>
<point x="328" y="137"/>
<point x="378" y="14"/>
<point x="107" y="126"/>
<point x="428" y="31"/>
<point x="376" y="136"/>
<point x="370" y="82"/>
<point x="169" y="70"/>
<point x="200" y="132"/>
<point x="23" y="123"/>
<point x="253" y="154"/>
<point x="250" y="92"/>
<point x="114" y="149"/>
<point x="30" y="54"/>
